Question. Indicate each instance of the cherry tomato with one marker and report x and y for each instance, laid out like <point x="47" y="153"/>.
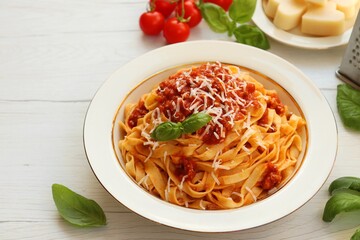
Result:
<point x="151" y="23"/>
<point x="176" y="31"/>
<point x="165" y="7"/>
<point x="191" y="11"/>
<point x="225" y="4"/>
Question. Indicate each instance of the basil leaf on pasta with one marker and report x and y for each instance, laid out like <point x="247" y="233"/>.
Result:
<point x="195" y="122"/>
<point x="167" y="131"/>
<point x="77" y="209"/>
<point x="348" y="104"/>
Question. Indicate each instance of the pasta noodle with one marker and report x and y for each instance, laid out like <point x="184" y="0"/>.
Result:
<point x="246" y="152"/>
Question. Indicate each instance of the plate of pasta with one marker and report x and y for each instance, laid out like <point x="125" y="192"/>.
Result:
<point x="208" y="135"/>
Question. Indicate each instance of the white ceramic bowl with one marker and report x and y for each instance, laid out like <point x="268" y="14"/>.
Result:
<point x="138" y="76"/>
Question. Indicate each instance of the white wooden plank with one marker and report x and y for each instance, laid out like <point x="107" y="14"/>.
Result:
<point x="41" y="144"/>
<point x="73" y="67"/>
<point x="132" y="226"/>
<point x="41" y="17"/>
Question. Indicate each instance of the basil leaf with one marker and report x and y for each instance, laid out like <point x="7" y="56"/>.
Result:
<point x="195" y="122"/>
<point x="216" y="17"/>
<point x="356" y="235"/>
<point x="352" y="183"/>
<point x="77" y="209"/>
<point x="241" y="11"/>
<point x="348" y="104"/>
<point x="167" y="131"/>
<point x="251" y="35"/>
<point x="340" y="202"/>
<point x="345" y="190"/>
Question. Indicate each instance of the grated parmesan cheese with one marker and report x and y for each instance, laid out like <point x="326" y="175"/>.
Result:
<point x="165" y="155"/>
<point x="148" y="157"/>
<point x="248" y="134"/>
<point x="186" y="203"/>
<point x="215" y="178"/>
<point x="251" y="193"/>
<point x="246" y="149"/>
<point x="144" y="180"/>
<point x="182" y="182"/>
<point x="167" y="189"/>
<point x="201" y="205"/>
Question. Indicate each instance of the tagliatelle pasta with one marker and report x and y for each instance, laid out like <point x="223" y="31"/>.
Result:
<point x="249" y="149"/>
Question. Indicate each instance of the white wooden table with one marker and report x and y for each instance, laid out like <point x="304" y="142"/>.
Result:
<point x="54" y="55"/>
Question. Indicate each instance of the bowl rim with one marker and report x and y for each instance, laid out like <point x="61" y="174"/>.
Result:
<point x="208" y="221"/>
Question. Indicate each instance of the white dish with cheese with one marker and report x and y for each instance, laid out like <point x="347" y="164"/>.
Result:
<point x="313" y="24"/>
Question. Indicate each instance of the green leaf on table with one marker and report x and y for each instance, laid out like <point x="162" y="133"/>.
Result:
<point x="251" y="35"/>
<point x="356" y="235"/>
<point x="241" y="11"/>
<point x="352" y="183"/>
<point x="77" y="209"/>
<point x="346" y="190"/>
<point x="340" y="202"/>
<point x="348" y="104"/>
<point x="216" y="17"/>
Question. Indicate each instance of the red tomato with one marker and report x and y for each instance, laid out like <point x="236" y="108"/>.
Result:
<point x="225" y="4"/>
<point x="176" y="31"/>
<point x="151" y="23"/>
<point x="166" y="7"/>
<point x="191" y="11"/>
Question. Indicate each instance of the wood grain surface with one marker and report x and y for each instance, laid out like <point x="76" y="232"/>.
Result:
<point x="54" y="55"/>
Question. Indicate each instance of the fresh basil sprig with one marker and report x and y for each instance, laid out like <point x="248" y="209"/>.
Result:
<point x="169" y="130"/>
<point x="195" y="122"/>
<point x="348" y="104"/>
<point x="340" y="202"/>
<point x="215" y="16"/>
<point x="352" y="183"/>
<point x="345" y="197"/>
<point x="77" y="209"/>
<point x="240" y="12"/>
<point x="356" y="235"/>
<point x="251" y="35"/>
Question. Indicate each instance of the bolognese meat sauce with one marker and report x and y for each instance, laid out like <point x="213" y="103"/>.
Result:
<point x="272" y="177"/>
<point x="211" y="88"/>
<point x="138" y="112"/>
<point x="187" y="168"/>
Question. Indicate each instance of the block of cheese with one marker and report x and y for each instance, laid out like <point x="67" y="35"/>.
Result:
<point x="288" y="14"/>
<point x="271" y="7"/>
<point x="348" y="7"/>
<point x="323" y="21"/>
<point x="317" y="2"/>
